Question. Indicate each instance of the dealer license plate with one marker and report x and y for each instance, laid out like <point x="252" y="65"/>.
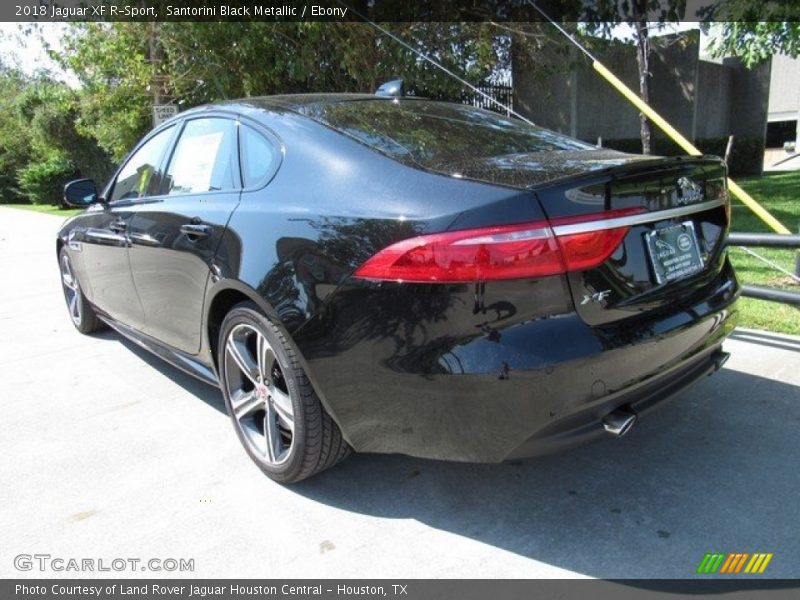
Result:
<point x="674" y="252"/>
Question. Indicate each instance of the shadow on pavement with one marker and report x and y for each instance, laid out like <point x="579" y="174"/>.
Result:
<point x="205" y="392"/>
<point x="715" y="470"/>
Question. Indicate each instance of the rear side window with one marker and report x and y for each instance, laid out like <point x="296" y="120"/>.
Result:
<point x="204" y="159"/>
<point x="259" y="156"/>
<point x="141" y="175"/>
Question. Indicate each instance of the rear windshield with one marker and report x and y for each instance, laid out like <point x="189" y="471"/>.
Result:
<point x="436" y="135"/>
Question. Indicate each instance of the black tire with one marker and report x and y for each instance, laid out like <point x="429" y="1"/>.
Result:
<point x="81" y="312"/>
<point x="316" y="443"/>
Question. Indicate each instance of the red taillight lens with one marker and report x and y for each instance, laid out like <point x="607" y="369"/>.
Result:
<point x="583" y="251"/>
<point x="520" y="251"/>
<point x="507" y="252"/>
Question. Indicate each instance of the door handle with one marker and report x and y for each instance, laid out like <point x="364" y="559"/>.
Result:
<point x="119" y="225"/>
<point x="195" y="230"/>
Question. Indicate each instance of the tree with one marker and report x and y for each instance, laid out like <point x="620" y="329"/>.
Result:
<point x="15" y="142"/>
<point x="753" y="31"/>
<point x="755" y="42"/>
<point x="50" y="109"/>
<point x="111" y="63"/>
<point x="637" y="14"/>
<point x="125" y="67"/>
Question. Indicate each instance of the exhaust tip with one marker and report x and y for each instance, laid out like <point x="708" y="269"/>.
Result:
<point x="619" y="422"/>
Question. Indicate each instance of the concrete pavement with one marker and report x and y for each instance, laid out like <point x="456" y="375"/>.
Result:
<point x="107" y="453"/>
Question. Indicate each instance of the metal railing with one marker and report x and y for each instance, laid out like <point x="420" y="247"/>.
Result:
<point x="490" y="96"/>
<point x="768" y="240"/>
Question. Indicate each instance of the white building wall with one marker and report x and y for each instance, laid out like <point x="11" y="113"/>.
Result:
<point x="784" y="89"/>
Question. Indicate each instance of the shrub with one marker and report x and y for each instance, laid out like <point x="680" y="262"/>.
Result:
<point x="43" y="182"/>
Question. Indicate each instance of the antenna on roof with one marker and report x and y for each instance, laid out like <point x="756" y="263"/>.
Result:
<point x="392" y="89"/>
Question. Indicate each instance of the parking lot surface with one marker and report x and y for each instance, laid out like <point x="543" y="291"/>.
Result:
<point x="108" y="452"/>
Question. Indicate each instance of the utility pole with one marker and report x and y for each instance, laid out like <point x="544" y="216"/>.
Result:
<point x="156" y="60"/>
<point x="163" y="109"/>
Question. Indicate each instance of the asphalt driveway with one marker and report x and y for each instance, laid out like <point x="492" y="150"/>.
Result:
<point x="107" y="452"/>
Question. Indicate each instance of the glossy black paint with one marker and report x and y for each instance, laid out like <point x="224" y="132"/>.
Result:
<point x="477" y="372"/>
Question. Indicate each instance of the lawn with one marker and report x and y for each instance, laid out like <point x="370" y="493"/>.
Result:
<point x="47" y="209"/>
<point x="779" y="193"/>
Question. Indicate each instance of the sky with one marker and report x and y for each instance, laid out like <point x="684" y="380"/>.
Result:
<point x="28" y="53"/>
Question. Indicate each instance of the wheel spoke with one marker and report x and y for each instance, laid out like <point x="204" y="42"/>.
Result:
<point x="73" y="305"/>
<point x="66" y="274"/>
<point x="283" y="407"/>
<point x="271" y="434"/>
<point x="266" y="358"/>
<point x="241" y="355"/>
<point x="245" y="404"/>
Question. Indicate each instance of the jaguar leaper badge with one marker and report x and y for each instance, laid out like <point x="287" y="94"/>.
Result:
<point x="689" y="191"/>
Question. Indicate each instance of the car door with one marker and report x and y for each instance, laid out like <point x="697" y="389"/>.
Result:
<point x="174" y="237"/>
<point x="103" y="239"/>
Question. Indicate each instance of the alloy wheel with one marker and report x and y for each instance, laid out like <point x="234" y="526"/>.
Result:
<point x="260" y="402"/>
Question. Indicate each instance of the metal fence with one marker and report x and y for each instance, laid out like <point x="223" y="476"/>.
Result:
<point x="504" y="94"/>
<point x="768" y="240"/>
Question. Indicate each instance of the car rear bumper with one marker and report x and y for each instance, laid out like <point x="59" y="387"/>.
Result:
<point x="586" y="425"/>
<point x="533" y="387"/>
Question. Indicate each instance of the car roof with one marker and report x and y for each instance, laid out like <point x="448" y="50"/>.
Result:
<point x="296" y="103"/>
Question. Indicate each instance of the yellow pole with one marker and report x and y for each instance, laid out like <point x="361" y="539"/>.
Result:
<point x="746" y="199"/>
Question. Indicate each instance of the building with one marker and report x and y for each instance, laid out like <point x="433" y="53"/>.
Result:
<point x="783" y="116"/>
<point x="706" y="101"/>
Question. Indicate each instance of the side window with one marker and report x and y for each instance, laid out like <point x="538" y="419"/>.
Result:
<point x="141" y="175"/>
<point x="204" y="159"/>
<point x="259" y="156"/>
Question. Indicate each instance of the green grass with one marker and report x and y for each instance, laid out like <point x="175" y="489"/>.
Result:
<point x="47" y="209"/>
<point x="779" y="193"/>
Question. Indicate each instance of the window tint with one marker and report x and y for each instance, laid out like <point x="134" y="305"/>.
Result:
<point x="437" y="135"/>
<point x="141" y="175"/>
<point x="259" y="156"/>
<point x="204" y="158"/>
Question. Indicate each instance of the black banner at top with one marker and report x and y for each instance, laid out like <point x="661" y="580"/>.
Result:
<point x="377" y="10"/>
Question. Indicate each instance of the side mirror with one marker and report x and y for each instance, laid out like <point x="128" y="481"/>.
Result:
<point x="80" y="193"/>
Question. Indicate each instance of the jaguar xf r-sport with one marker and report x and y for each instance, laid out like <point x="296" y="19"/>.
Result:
<point x="397" y="275"/>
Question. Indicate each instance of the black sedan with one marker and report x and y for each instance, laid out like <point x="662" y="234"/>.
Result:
<point x="401" y="275"/>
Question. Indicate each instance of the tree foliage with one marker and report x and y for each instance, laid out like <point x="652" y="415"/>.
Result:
<point x="49" y="131"/>
<point x="756" y="42"/>
<point x="112" y="64"/>
<point x="15" y="143"/>
<point x="40" y="145"/>
<point x="753" y="31"/>
<point x="125" y="67"/>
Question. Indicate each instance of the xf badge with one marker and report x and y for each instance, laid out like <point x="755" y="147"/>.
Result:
<point x="596" y="297"/>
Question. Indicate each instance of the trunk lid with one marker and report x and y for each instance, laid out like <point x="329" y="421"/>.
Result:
<point x="678" y="216"/>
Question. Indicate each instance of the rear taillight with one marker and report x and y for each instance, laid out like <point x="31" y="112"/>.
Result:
<point x="519" y="251"/>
